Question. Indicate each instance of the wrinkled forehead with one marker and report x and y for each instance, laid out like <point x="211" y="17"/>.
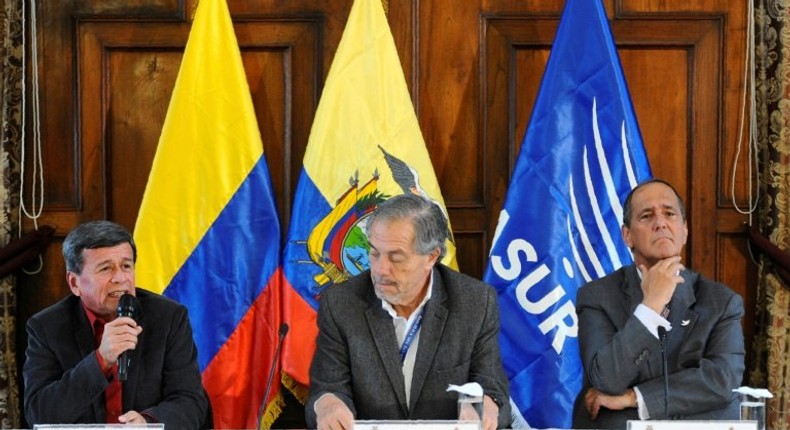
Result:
<point x="118" y="253"/>
<point x="391" y="234"/>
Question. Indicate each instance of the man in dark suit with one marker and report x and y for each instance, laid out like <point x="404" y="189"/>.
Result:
<point x="393" y="338"/>
<point x="624" y="316"/>
<point x="70" y="373"/>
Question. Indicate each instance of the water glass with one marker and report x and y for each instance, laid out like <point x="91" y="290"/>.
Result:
<point x="753" y="409"/>
<point x="470" y="408"/>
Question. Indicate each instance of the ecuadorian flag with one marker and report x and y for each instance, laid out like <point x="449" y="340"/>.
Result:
<point x="364" y="147"/>
<point x="207" y="232"/>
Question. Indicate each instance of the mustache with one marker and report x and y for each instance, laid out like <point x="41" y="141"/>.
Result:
<point x="382" y="281"/>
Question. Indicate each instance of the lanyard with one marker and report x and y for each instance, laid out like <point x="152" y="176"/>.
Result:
<point x="410" y="336"/>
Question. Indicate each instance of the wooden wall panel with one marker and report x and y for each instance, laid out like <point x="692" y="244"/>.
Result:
<point x="448" y="90"/>
<point x="126" y="78"/>
<point x="137" y="93"/>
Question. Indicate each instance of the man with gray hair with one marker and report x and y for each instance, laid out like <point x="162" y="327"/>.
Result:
<point x="393" y="338"/>
<point x="71" y="373"/>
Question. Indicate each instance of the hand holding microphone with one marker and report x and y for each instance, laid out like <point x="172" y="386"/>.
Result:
<point x="120" y="335"/>
<point x="128" y="307"/>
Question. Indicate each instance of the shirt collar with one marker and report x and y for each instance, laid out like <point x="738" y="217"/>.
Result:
<point x="92" y="317"/>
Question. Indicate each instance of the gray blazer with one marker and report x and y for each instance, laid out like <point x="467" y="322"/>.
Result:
<point x="357" y="356"/>
<point x="705" y="349"/>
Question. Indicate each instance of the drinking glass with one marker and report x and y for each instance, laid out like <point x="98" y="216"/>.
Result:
<point x="753" y="409"/>
<point x="470" y="408"/>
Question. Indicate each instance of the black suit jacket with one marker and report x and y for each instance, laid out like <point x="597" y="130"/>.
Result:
<point x="705" y="349"/>
<point x="64" y="383"/>
<point x="357" y="356"/>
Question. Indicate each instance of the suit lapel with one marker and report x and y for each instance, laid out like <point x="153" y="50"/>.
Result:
<point x="633" y="290"/>
<point x="86" y="342"/>
<point x="681" y="316"/>
<point x="83" y="335"/>
<point x="380" y="323"/>
<point x="430" y="334"/>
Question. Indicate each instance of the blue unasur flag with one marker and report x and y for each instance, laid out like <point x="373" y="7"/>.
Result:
<point x="560" y="224"/>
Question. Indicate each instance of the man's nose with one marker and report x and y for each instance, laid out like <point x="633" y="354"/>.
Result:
<point x="118" y="276"/>
<point x="380" y="266"/>
<point x="660" y="222"/>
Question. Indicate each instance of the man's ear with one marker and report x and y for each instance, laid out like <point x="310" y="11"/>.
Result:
<point x="435" y="255"/>
<point x="71" y="279"/>
<point x="626" y="232"/>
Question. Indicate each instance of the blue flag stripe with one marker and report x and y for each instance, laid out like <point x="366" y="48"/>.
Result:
<point x="229" y="274"/>
<point x="298" y="268"/>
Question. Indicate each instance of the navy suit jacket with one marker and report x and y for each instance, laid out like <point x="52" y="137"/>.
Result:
<point x="357" y="355"/>
<point x="705" y="349"/>
<point x="64" y="383"/>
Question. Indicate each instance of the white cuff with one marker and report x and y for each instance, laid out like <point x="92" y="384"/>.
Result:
<point x="640" y="405"/>
<point x="651" y="319"/>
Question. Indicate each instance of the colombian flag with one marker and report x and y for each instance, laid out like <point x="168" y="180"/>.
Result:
<point x="364" y="147"/>
<point x="207" y="232"/>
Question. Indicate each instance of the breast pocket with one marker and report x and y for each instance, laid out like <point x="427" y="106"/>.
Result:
<point x="457" y="375"/>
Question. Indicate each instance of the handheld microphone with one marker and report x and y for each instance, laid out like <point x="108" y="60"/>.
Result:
<point x="662" y="336"/>
<point x="283" y="331"/>
<point x="128" y="306"/>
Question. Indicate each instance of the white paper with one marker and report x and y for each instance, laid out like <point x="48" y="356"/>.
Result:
<point x="760" y="393"/>
<point x="470" y="389"/>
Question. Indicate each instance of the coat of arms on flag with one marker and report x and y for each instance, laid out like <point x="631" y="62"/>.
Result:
<point x="365" y="145"/>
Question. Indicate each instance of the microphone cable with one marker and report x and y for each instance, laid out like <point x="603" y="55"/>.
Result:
<point x="662" y="336"/>
<point x="283" y="331"/>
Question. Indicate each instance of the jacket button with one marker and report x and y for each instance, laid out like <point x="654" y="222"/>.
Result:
<point x="92" y="392"/>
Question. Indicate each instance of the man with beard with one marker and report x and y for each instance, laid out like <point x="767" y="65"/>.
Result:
<point x="393" y="338"/>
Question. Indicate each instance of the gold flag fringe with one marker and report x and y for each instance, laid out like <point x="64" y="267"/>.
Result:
<point x="273" y="411"/>
<point x="298" y="390"/>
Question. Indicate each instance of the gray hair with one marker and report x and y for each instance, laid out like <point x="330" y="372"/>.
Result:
<point x="627" y="209"/>
<point x="430" y="225"/>
<point x="92" y="235"/>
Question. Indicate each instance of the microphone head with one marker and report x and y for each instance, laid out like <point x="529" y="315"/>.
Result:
<point x="283" y="329"/>
<point x="128" y="306"/>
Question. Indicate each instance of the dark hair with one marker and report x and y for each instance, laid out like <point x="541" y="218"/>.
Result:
<point x="427" y="218"/>
<point x="92" y="235"/>
<point x="627" y="206"/>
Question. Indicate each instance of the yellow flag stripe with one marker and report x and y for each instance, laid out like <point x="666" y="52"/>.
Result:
<point x="193" y="174"/>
